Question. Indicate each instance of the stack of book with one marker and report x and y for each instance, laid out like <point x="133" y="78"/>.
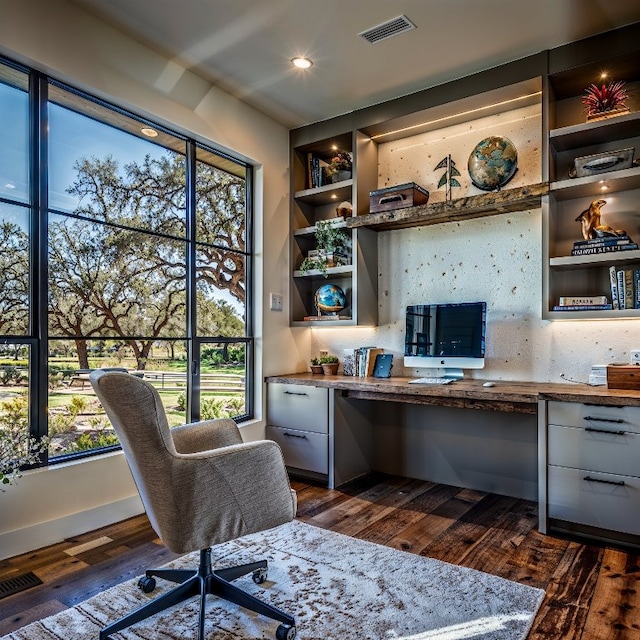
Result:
<point x="360" y="362"/>
<point x="317" y="171"/>
<point x="625" y="288"/>
<point x="583" y="303"/>
<point x="606" y="244"/>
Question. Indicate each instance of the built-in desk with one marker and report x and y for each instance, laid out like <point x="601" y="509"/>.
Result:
<point x="558" y="443"/>
<point x="519" y="397"/>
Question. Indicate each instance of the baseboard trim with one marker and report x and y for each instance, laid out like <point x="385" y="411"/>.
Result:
<point x="43" y="534"/>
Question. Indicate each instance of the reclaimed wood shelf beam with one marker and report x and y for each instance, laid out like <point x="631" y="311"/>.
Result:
<point x="485" y="204"/>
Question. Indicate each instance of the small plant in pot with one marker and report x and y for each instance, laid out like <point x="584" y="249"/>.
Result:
<point x="340" y="166"/>
<point x="330" y="365"/>
<point x="315" y="365"/>
<point x="331" y="244"/>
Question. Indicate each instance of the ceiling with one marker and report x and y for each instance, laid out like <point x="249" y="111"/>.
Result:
<point x="245" y="46"/>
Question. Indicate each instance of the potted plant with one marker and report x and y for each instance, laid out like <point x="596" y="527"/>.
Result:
<point x="331" y="244"/>
<point x="17" y="448"/>
<point x="340" y="166"/>
<point x="315" y="365"/>
<point x="329" y="365"/>
<point x="605" y="101"/>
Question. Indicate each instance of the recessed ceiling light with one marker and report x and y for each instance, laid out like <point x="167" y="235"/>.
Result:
<point x="149" y="132"/>
<point x="301" y="62"/>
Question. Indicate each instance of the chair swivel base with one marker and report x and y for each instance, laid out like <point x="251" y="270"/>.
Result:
<point x="205" y="581"/>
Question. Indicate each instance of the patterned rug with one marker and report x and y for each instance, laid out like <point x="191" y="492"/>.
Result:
<point x="337" y="587"/>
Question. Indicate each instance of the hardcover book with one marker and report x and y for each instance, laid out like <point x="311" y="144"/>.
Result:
<point x="573" y="300"/>
<point x="620" y="280"/>
<point x="629" y="297"/>
<point x="614" y="287"/>
<point x="587" y="251"/>
<point x="605" y="240"/>
<point x="583" y="307"/>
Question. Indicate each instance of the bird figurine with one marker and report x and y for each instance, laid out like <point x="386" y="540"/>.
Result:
<point x="592" y="226"/>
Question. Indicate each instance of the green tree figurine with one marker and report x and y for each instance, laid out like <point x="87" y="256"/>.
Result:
<point x="448" y="178"/>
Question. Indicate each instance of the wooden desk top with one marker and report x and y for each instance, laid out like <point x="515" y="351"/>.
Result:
<point x="511" y="396"/>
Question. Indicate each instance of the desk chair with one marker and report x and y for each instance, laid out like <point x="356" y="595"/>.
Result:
<point x="200" y="486"/>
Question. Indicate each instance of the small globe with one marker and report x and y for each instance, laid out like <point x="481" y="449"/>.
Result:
<point x="330" y="299"/>
<point x="492" y="163"/>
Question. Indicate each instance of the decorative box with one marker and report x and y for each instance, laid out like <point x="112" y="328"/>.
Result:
<point x="398" y="197"/>
<point x="623" y="376"/>
<point x="601" y="162"/>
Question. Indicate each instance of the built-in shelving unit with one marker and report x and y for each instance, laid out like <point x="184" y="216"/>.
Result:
<point x="311" y="204"/>
<point x="570" y="136"/>
<point x="557" y="80"/>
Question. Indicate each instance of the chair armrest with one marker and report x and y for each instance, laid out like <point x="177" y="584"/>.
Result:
<point x="205" y="435"/>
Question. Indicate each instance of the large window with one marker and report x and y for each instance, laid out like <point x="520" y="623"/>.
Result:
<point x="123" y="245"/>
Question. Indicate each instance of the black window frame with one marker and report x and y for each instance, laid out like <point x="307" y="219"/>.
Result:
<point x="38" y="337"/>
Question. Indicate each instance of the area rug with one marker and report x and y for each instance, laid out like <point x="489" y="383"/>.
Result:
<point x="337" y="587"/>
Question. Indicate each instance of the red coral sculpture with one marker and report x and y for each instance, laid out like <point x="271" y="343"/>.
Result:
<point x="606" y="98"/>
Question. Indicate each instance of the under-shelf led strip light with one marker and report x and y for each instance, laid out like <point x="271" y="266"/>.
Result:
<point x="457" y="115"/>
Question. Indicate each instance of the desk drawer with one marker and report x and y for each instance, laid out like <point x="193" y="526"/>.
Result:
<point x="602" y="448"/>
<point x="604" y="500"/>
<point x="302" y="449"/>
<point x="298" y="406"/>
<point x="575" y="414"/>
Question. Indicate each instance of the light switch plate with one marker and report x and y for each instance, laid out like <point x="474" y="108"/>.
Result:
<point x="276" y="302"/>
<point x="634" y="356"/>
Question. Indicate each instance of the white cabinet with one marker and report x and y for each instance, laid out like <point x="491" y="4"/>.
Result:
<point x="592" y="466"/>
<point x="323" y="436"/>
<point x="298" y="420"/>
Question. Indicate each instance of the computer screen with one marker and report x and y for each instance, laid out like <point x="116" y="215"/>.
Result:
<point x="443" y="336"/>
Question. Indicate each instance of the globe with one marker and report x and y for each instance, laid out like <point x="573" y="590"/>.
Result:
<point x="330" y="299"/>
<point x="492" y="163"/>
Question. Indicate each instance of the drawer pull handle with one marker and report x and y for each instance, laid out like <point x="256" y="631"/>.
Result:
<point x="294" y="393"/>
<point x="596" y="419"/>
<point x="615" y="433"/>
<point x="611" y="406"/>
<point x="294" y="435"/>
<point x="617" y="483"/>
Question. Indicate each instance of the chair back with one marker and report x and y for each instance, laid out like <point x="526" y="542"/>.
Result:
<point x="136" y="412"/>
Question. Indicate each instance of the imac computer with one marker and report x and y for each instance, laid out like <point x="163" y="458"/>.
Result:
<point x="445" y="338"/>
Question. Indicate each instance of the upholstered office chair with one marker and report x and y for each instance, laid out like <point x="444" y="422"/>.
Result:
<point x="200" y="485"/>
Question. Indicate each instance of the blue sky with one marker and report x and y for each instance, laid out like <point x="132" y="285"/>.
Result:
<point x="71" y="136"/>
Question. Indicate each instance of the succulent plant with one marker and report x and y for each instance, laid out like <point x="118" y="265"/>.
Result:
<point x="605" y="98"/>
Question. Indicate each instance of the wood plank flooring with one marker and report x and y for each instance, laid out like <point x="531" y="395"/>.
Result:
<point x="593" y="591"/>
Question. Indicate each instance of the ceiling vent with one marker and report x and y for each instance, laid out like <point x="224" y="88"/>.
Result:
<point x="388" y="29"/>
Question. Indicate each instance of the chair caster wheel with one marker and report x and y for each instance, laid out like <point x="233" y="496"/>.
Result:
<point x="285" y="632"/>
<point x="259" y="576"/>
<point x="146" y="585"/>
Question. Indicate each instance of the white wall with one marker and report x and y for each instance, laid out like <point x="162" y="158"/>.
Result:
<point x="58" y="37"/>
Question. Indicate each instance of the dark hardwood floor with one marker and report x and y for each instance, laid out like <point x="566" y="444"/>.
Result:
<point x="593" y="591"/>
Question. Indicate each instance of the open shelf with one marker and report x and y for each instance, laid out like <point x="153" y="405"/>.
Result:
<point x="612" y="257"/>
<point x="326" y="194"/>
<point x="486" y="204"/>
<point x="621" y="180"/>
<point x="587" y="134"/>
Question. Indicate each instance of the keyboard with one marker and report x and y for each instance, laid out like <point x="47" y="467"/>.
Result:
<point x="431" y="381"/>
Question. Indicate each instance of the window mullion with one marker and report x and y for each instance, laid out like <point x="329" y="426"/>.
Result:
<point x="39" y="218"/>
<point x="193" y="347"/>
